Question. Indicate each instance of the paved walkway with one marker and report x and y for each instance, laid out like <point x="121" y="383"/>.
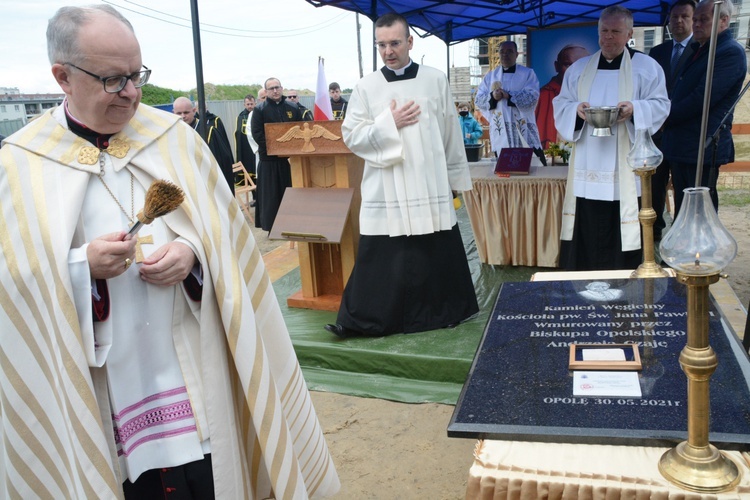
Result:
<point x="735" y="175"/>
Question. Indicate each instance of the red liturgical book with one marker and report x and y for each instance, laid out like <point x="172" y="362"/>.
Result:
<point x="514" y="161"/>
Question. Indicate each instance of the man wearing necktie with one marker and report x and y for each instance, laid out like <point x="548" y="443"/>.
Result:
<point x="676" y="53"/>
<point x="682" y="130"/>
<point x="671" y="56"/>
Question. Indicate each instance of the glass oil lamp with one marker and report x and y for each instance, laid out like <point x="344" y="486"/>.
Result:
<point x="698" y="247"/>
<point x="643" y="158"/>
<point x="698" y="244"/>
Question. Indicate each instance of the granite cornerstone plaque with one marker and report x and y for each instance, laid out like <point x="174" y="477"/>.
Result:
<point x="520" y="388"/>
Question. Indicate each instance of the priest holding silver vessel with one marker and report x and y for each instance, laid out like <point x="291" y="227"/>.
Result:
<point x="600" y="227"/>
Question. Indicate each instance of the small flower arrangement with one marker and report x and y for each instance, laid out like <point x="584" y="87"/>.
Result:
<point x="560" y="150"/>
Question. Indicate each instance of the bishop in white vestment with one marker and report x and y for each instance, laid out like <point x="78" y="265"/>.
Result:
<point x="234" y="387"/>
<point x="115" y="366"/>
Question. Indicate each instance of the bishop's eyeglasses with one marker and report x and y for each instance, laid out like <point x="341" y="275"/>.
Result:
<point x="114" y="84"/>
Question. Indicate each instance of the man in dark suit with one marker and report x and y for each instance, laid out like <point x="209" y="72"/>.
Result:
<point x="245" y="152"/>
<point x="216" y="135"/>
<point x="671" y="56"/>
<point x="682" y="136"/>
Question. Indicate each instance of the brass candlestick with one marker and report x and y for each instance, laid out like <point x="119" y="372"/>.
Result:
<point x="698" y="247"/>
<point x="696" y="464"/>
<point x="647" y="216"/>
<point x="643" y="158"/>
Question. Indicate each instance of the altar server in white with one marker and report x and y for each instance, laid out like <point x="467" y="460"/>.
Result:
<point x="600" y="228"/>
<point x="156" y="368"/>
<point x="411" y="272"/>
<point x="507" y="98"/>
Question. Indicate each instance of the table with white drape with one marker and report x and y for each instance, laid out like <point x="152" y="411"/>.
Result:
<point x="516" y="220"/>
<point x="517" y="470"/>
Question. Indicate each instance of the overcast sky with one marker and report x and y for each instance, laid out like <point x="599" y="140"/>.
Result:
<point x="244" y="42"/>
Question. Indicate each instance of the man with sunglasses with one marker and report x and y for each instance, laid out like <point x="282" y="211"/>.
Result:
<point x="671" y="55"/>
<point x="293" y="96"/>
<point x="152" y="366"/>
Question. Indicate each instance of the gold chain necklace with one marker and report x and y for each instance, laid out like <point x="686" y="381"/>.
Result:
<point x="130" y="217"/>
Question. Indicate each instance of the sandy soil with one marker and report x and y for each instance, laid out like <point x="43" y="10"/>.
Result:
<point x="737" y="221"/>
<point x="384" y="449"/>
<point x="387" y="450"/>
<point x="393" y="450"/>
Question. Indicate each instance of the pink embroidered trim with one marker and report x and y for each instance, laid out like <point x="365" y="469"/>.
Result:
<point x="153" y="397"/>
<point x="156" y="422"/>
<point x="160" y="435"/>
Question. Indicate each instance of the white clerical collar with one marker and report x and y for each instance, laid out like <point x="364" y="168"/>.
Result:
<point x="401" y="71"/>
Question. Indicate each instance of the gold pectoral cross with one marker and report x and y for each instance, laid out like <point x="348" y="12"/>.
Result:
<point x="141" y="240"/>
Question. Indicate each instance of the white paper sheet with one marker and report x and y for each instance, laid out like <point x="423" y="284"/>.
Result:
<point x="603" y="354"/>
<point x="613" y="384"/>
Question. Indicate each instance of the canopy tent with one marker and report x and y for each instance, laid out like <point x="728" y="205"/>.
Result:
<point x="458" y="21"/>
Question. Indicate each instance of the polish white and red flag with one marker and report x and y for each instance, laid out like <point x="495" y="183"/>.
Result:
<point x="322" y="109"/>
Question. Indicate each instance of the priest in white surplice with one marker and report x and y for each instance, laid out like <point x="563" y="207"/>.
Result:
<point x="507" y="98"/>
<point x="411" y="272"/>
<point x="600" y="227"/>
<point x="153" y="369"/>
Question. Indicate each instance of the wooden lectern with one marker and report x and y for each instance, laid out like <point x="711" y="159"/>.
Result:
<point x="324" y="222"/>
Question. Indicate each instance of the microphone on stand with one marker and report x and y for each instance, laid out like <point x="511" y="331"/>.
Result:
<point x="713" y="139"/>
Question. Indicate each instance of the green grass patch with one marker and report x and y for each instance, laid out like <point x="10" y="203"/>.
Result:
<point x="733" y="197"/>
<point x="742" y="150"/>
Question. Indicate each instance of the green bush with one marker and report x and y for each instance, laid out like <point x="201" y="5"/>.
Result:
<point x="153" y="95"/>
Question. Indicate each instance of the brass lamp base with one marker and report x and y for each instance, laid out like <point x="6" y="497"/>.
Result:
<point x="696" y="464"/>
<point x="650" y="269"/>
<point x="703" y="470"/>
<point x="647" y="216"/>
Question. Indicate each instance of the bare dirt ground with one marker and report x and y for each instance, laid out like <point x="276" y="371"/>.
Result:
<point x="737" y="221"/>
<point x="387" y="450"/>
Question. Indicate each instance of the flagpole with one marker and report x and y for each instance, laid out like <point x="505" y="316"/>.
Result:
<point x="198" y="69"/>
<point x="707" y="93"/>
<point x="359" y="45"/>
